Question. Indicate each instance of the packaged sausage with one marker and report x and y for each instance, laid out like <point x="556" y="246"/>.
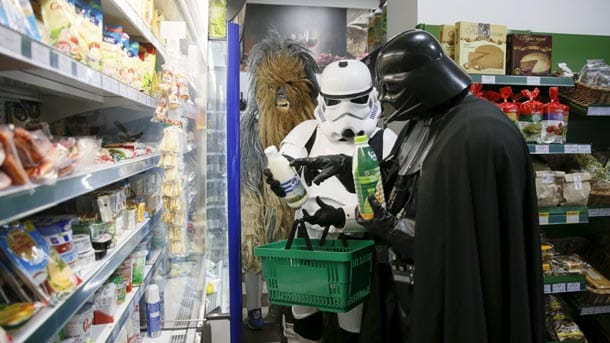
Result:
<point x="12" y="164"/>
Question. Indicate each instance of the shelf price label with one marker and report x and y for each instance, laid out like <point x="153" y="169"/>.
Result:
<point x="95" y="79"/>
<point x="64" y="64"/>
<point x="543" y="218"/>
<point x="81" y="72"/>
<point x="584" y="149"/>
<point x="132" y="93"/>
<point x="573" y="286"/>
<point x="41" y="54"/>
<point x="547" y="289"/>
<point x="10" y="40"/>
<point x="488" y="79"/>
<point x="570" y="148"/>
<point x="572" y="217"/>
<point x="558" y="288"/>
<point x="542" y="149"/>
<point x="532" y="80"/>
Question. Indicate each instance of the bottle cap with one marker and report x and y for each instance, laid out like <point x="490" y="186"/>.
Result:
<point x="361" y="139"/>
<point x="152" y="294"/>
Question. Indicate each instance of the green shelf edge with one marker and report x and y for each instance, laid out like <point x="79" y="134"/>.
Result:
<point x="552" y="279"/>
<point x="559" y="148"/>
<point x="557" y="215"/>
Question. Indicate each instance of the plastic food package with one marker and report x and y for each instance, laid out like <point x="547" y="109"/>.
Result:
<point x="37" y="154"/>
<point x="571" y="264"/>
<point x="510" y="108"/>
<point x="590" y="73"/>
<point x="19" y="16"/>
<point x="12" y="165"/>
<point x="111" y="50"/>
<point x="554" y="123"/>
<point x="549" y="185"/>
<point x="530" y="116"/>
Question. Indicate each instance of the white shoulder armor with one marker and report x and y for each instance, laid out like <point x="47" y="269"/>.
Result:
<point x="389" y="139"/>
<point x="293" y="144"/>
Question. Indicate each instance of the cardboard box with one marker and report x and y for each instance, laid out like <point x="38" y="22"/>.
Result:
<point x="447" y="36"/>
<point x="529" y="54"/>
<point x="481" y="48"/>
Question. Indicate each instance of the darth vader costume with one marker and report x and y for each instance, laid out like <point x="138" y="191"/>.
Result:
<point x="461" y="216"/>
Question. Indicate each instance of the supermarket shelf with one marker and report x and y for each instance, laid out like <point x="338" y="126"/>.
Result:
<point x="599" y="212"/>
<point x="537" y="149"/>
<point x="119" y="11"/>
<point x="50" y="320"/>
<point x="45" y="68"/>
<point x="22" y="201"/>
<point x="110" y="332"/>
<point x="563" y="215"/>
<point x="591" y="110"/>
<point x="514" y="80"/>
<point x="582" y="309"/>
<point x="564" y="283"/>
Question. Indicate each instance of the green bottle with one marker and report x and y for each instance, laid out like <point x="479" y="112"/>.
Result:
<point x="367" y="176"/>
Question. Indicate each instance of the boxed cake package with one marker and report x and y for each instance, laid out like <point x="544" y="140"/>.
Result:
<point x="447" y="37"/>
<point x="481" y="48"/>
<point x="529" y="54"/>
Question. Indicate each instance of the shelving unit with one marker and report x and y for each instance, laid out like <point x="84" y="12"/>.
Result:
<point x="109" y="332"/>
<point x="514" y="80"/>
<point x="590" y="111"/>
<point x="563" y="215"/>
<point x="19" y="202"/>
<point x="584" y="309"/>
<point x="50" y="320"/>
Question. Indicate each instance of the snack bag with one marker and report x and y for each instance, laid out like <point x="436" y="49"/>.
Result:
<point x="576" y="189"/>
<point x="553" y="120"/>
<point x="530" y="116"/>
<point x="477" y="89"/>
<point x="59" y="17"/>
<point x="510" y="108"/>
<point x="549" y="185"/>
<point x="111" y="50"/>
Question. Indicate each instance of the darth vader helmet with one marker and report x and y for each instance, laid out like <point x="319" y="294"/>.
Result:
<point x="348" y="104"/>
<point x="414" y="76"/>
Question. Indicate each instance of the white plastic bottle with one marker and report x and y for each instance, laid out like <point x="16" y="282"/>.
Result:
<point x="153" y="311"/>
<point x="287" y="176"/>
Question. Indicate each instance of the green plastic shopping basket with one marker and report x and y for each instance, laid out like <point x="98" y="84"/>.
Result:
<point x="334" y="277"/>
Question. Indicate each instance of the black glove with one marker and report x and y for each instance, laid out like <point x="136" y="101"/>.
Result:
<point x="326" y="215"/>
<point x="382" y="223"/>
<point x="319" y="168"/>
<point x="273" y="183"/>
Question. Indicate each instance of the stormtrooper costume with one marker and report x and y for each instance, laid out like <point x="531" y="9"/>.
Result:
<point x="347" y="107"/>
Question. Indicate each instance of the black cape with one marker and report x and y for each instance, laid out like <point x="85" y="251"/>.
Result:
<point x="478" y="274"/>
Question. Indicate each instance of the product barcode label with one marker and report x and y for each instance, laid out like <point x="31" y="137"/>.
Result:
<point x="570" y="148"/>
<point x="572" y="217"/>
<point x="41" y="54"/>
<point x="573" y="286"/>
<point x="543" y="218"/>
<point x="558" y="288"/>
<point x="10" y="40"/>
<point x="533" y="80"/>
<point x="488" y="79"/>
<point x="542" y="149"/>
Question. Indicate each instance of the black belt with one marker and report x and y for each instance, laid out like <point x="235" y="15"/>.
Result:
<point x="403" y="272"/>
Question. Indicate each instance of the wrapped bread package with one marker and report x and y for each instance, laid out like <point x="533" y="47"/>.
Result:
<point x="549" y="186"/>
<point x="576" y="189"/>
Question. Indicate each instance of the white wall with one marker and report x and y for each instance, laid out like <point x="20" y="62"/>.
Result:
<point x="558" y="16"/>
<point x="402" y="15"/>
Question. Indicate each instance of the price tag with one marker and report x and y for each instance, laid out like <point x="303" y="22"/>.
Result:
<point x="547" y="289"/>
<point x="10" y="40"/>
<point x="95" y="79"/>
<point x="558" y="288"/>
<point x="123" y="89"/>
<point x="64" y="64"/>
<point x="570" y="148"/>
<point x="532" y="80"/>
<point x="543" y="218"/>
<point x="132" y="93"/>
<point x="81" y="72"/>
<point x="584" y="149"/>
<point x="41" y="54"/>
<point x="488" y="79"/>
<point x="572" y="217"/>
<point x="573" y="286"/>
<point x="542" y="149"/>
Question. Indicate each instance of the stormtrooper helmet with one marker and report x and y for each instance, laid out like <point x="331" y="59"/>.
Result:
<point x="347" y="104"/>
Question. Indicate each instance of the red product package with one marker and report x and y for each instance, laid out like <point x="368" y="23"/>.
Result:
<point x="530" y="116"/>
<point x="554" y="119"/>
<point x="510" y="108"/>
<point x="477" y="89"/>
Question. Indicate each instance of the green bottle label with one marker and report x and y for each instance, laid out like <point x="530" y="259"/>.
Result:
<point x="367" y="179"/>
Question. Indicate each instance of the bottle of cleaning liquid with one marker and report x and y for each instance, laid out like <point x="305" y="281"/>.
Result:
<point x="287" y="176"/>
<point x="367" y="176"/>
<point x="153" y="311"/>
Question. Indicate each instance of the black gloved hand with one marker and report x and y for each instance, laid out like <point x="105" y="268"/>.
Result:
<point x="273" y="183"/>
<point x="382" y="223"/>
<point x="326" y="215"/>
<point x="319" y="168"/>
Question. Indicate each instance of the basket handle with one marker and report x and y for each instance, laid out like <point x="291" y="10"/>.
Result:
<point x="298" y="226"/>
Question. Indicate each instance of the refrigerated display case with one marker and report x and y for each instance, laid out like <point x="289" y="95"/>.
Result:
<point x="193" y="281"/>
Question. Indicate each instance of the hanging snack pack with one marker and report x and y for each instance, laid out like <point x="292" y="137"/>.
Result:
<point x="510" y="108"/>
<point x="554" y="119"/>
<point x="530" y="116"/>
